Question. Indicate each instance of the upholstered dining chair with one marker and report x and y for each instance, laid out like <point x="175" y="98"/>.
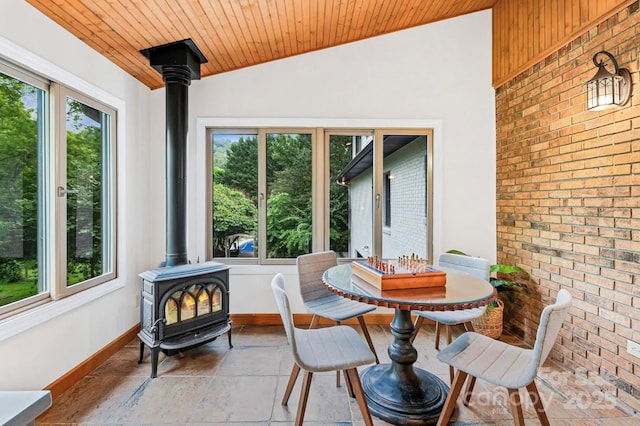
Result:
<point x="321" y="302"/>
<point x="502" y="364"/>
<point x="322" y="349"/>
<point x="473" y="265"/>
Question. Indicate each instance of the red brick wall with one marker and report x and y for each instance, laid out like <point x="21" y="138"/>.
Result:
<point x="568" y="203"/>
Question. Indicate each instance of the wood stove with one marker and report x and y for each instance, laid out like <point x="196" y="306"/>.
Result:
<point x="183" y="307"/>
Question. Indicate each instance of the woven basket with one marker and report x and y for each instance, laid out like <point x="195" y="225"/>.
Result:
<point x="490" y="323"/>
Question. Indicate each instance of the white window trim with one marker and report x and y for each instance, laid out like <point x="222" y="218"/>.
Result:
<point x="202" y="147"/>
<point x="31" y="318"/>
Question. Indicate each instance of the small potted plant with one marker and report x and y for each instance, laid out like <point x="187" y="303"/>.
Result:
<point x="505" y="278"/>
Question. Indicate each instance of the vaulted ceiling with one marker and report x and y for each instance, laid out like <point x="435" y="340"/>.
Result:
<point x="233" y="34"/>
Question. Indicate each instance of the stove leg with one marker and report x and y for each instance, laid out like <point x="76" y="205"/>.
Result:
<point x="229" y="335"/>
<point x="155" y="352"/>
<point x="141" y="352"/>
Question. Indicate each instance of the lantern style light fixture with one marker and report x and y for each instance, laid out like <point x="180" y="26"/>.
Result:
<point x="608" y="89"/>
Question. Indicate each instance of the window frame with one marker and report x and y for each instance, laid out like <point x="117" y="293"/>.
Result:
<point x="325" y="166"/>
<point x="51" y="249"/>
<point x="44" y="175"/>
<point x="61" y="289"/>
<point x="208" y="181"/>
<point x="378" y="171"/>
<point x="320" y="169"/>
<point x="263" y="202"/>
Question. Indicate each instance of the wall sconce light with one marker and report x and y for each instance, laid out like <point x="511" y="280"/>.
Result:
<point x="605" y="89"/>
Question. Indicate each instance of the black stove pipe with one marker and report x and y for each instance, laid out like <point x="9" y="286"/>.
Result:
<point x="179" y="63"/>
<point x="177" y="83"/>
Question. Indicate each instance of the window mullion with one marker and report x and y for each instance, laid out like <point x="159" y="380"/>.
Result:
<point x="429" y="197"/>
<point x="326" y="188"/>
<point x="319" y="188"/>
<point x="262" y="191"/>
<point x="377" y="192"/>
<point x="59" y="143"/>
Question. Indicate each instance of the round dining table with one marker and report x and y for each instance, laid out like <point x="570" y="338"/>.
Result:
<point x="400" y="393"/>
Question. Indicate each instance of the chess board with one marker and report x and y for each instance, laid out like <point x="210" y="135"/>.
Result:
<point x="400" y="278"/>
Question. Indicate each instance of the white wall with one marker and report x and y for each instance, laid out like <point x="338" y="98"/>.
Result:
<point x="40" y="346"/>
<point x="439" y="73"/>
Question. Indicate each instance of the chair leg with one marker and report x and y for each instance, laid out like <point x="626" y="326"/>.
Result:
<point x="359" y="395"/>
<point x="468" y="326"/>
<point x="516" y="407"/>
<point x="537" y="403"/>
<point x="448" y="333"/>
<point x="467" y="392"/>
<point x="416" y="326"/>
<point x="448" y="328"/>
<point x="437" y="336"/>
<point x="347" y="381"/>
<point x="452" y="398"/>
<point x="292" y="381"/>
<point x="365" y="331"/>
<point x="304" y="394"/>
<point x="338" y="371"/>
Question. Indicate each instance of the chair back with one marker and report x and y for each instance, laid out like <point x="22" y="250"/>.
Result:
<point x="551" y="321"/>
<point x="471" y="265"/>
<point x="310" y="269"/>
<point x="277" y="285"/>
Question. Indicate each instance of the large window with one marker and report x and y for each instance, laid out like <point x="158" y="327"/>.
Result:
<point x="404" y="198"/>
<point x="85" y="193"/>
<point x="56" y="178"/>
<point x="262" y="192"/>
<point x="279" y="193"/>
<point x="22" y="127"/>
<point x="350" y="198"/>
<point x="286" y="195"/>
<point x="235" y="193"/>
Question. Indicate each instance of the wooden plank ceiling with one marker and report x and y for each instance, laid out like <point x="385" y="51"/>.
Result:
<point x="524" y="31"/>
<point x="233" y="34"/>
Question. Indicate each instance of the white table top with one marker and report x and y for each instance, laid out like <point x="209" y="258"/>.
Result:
<point x="19" y="408"/>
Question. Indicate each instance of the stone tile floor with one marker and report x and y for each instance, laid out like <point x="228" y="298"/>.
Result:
<point x="216" y="385"/>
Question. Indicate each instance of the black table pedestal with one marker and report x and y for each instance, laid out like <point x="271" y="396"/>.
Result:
<point x="398" y="393"/>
